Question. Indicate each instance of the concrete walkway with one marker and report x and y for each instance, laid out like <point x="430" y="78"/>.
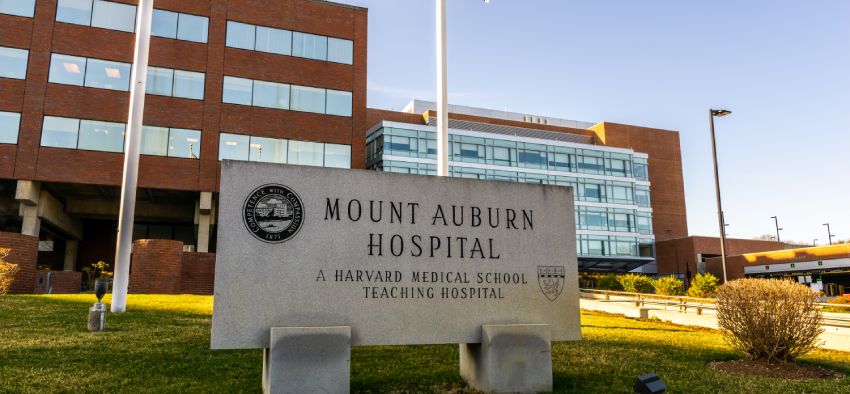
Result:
<point x="835" y="338"/>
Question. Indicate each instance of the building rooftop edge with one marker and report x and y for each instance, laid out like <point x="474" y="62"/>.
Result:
<point x="356" y="7"/>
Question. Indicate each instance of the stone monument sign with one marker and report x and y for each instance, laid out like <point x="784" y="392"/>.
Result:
<point x="392" y="258"/>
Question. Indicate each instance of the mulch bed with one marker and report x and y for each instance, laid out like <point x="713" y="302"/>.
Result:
<point x="775" y="369"/>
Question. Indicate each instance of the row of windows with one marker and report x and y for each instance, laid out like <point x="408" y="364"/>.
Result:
<point x="58" y="132"/>
<point x="25" y="8"/>
<point x="422" y="144"/>
<point x="584" y="189"/>
<point x="10" y="123"/>
<point x="613" y="219"/>
<point x="13" y="63"/>
<point x="122" y="17"/>
<point x="175" y="83"/>
<point x="285" y="42"/>
<point x="275" y="150"/>
<point x="285" y="96"/>
<point x="93" y="73"/>
<point x="594" y="245"/>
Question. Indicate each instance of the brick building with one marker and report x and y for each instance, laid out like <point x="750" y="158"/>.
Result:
<point x="280" y="81"/>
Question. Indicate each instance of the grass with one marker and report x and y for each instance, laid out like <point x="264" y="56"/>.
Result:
<point x="162" y="345"/>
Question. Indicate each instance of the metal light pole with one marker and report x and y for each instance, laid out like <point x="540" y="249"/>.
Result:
<point x="829" y="233"/>
<point x="776" y="220"/>
<point x="711" y="114"/>
<point x="138" y="77"/>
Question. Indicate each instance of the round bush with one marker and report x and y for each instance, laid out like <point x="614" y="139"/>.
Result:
<point x="668" y="285"/>
<point x="769" y="319"/>
<point x="704" y="286"/>
<point x="608" y="282"/>
<point x="635" y="283"/>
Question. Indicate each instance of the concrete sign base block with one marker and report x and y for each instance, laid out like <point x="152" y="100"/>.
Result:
<point x="308" y="360"/>
<point x="511" y="358"/>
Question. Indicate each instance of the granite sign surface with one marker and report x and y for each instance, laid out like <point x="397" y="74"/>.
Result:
<point x="401" y="259"/>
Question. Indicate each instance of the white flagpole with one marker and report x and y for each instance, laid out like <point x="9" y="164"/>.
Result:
<point x="442" y="93"/>
<point x="138" y="78"/>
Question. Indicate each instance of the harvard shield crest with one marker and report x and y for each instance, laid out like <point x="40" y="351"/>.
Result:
<point x="551" y="279"/>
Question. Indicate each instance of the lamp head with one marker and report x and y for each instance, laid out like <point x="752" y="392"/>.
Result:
<point x="720" y="112"/>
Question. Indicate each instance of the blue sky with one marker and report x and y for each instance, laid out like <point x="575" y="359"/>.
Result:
<point x="782" y="67"/>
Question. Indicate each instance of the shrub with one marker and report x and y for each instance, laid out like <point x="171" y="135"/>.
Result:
<point x="838" y="301"/>
<point x="7" y="271"/>
<point x="704" y="286"/>
<point x="668" y="285"/>
<point x="635" y="283"/>
<point x="608" y="282"/>
<point x="769" y="319"/>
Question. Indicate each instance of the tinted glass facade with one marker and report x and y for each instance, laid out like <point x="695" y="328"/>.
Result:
<point x="610" y="185"/>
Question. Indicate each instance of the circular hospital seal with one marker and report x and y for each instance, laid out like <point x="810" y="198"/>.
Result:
<point x="273" y="213"/>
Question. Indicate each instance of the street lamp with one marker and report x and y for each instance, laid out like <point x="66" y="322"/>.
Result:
<point x="829" y="233"/>
<point x="776" y="220"/>
<point x="443" y="92"/>
<point x="711" y="114"/>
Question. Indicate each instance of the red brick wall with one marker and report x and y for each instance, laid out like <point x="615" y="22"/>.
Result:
<point x="690" y="247"/>
<point x="198" y="273"/>
<point x="156" y="266"/>
<point x="24" y="253"/>
<point x="64" y="282"/>
<point x="35" y="97"/>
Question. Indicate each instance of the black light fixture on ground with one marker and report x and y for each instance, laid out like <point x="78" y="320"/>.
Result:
<point x="776" y="220"/>
<point x="711" y="114"/>
<point x="828" y="233"/>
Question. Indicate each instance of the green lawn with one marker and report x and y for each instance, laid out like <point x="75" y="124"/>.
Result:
<point x="162" y="345"/>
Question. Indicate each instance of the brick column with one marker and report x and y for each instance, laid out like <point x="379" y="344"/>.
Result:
<point x="24" y="253"/>
<point x="156" y="266"/>
<point x="198" y="273"/>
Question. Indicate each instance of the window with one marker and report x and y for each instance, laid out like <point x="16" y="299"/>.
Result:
<point x="59" y="132"/>
<point x="306" y="153"/>
<point x="339" y="103"/>
<point x="97" y="13"/>
<point x="337" y="156"/>
<point x="591" y="192"/>
<point x="94" y="73"/>
<point x="591" y="164"/>
<point x="10" y="123"/>
<point x="531" y="158"/>
<point x="233" y="147"/>
<point x="68" y="70"/>
<point x="268" y="150"/>
<point x="164" y="24"/>
<point x="74" y="11"/>
<point x="106" y="74"/>
<point x="340" y="51"/>
<point x="644" y="223"/>
<point x="154" y="141"/>
<point x="641" y="170"/>
<point x="184" y="143"/>
<point x="308" y="99"/>
<point x="192" y="28"/>
<point x="13" y="63"/>
<point x="620" y="192"/>
<point x="180" y="26"/>
<point x="102" y="136"/>
<point x="642" y="196"/>
<point x="274" y="40"/>
<point x="24" y="8"/>
<point x="160" y="81"/>
<point x="310" y="46"/>
<point x="188" y="84"/>
<point x="501" y="156"/>
<point x="240" y="35"/>
<point x="115" y="16"/>
<point x="271" y="95"/>
<point x="237" y="91"/>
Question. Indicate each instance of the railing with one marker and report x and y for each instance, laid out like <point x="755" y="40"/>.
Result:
<point x="684" y="303"/>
